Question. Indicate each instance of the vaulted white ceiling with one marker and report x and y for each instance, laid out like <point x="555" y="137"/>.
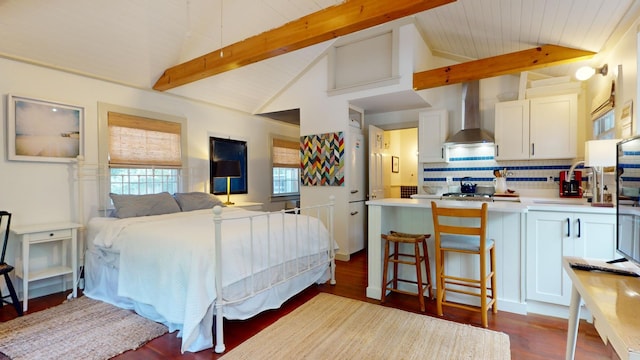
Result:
<point x="133" y="41"/>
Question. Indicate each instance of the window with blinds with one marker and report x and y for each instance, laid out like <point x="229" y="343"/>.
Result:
<point x="603" y="114"/>
<point x="285" y="157"/>
<point x="145" y="155"/>
<point x="139" y="141"/>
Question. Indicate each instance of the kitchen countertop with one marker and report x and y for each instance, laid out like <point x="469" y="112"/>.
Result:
<point x="525" y="204"/>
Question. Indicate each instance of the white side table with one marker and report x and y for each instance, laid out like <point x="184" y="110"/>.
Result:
<point x="254" y="206"/>
<point x="67" y="233"/>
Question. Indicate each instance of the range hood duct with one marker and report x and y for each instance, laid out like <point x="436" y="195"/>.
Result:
<point x="471" y="132"/>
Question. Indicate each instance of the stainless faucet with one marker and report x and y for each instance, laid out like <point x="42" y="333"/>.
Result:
<point x="593" y="179"/>
<point x="572" y="168"/>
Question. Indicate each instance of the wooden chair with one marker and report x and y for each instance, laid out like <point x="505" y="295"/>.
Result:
<point x="5" y="269"/>
<point x="466" y="238"/>
<point x="414" y="259"/>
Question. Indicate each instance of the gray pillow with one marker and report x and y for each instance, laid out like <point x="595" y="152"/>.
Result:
<point x="144" y="205"/>
<point x="197" y="201"/>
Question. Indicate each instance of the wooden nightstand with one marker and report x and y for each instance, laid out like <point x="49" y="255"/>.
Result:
<point x="29" y="235"/>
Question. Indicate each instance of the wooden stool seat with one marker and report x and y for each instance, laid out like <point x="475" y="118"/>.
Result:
<point x="413" y="259"/>
<point x="466" y="237"/>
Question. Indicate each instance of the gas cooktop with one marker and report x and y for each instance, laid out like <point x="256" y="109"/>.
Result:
<point x="467" y="196"/>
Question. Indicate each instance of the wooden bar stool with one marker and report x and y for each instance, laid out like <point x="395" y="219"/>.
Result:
<point x="464" y="238"/>
<point x="404" y="258"/>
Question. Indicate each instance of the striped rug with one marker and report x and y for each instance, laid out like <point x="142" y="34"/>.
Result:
<point x="333" y="327"/>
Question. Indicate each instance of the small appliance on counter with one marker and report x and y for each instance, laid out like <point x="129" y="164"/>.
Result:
<point x="571" y="188"/>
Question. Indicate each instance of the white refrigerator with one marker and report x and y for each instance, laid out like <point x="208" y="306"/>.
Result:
<point x="357" y="183"/>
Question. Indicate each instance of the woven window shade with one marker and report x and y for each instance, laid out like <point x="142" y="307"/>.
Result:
<point x="286" y="153"/>
<point x="603" y="102"/>
<point x="140" y="141"/>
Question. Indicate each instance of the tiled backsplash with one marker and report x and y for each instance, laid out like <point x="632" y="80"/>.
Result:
<point x="479" y="164"/>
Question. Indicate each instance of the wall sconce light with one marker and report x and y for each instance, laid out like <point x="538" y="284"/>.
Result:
<point x="586" y="72"/>
<point x="228" y="169"/>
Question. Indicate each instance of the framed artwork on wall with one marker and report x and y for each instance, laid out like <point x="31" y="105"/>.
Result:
<point x="221" y="149"/>
<point x="41" y="130"/>
<point x="395" y="164"/>
<point x="322" y="159"/>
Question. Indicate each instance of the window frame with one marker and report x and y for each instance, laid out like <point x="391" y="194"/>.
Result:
<point x="285" y="196"/>
<point x="103" y="145"/>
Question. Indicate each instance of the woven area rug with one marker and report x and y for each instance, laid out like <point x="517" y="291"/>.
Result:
<point x="333" y="327"/>
<point x="82" y="328"/>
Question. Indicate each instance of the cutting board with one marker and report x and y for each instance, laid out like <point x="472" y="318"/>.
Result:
<point x="506" y="195"/>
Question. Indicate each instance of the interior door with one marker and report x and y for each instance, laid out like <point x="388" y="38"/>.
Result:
<point x="376" y="163"/>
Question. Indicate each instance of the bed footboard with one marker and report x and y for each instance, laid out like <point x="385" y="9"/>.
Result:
<point x="325" y="256"/>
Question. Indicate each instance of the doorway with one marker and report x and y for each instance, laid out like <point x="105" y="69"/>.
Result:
<point x="401" y="162"/>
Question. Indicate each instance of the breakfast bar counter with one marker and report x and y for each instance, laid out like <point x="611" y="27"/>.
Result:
<point x="505" y="225"/>
<point x="529" y="273"/>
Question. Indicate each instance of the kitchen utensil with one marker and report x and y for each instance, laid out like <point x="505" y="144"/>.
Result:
<point x="500" y="184"/>
<point x="466" y="186"/>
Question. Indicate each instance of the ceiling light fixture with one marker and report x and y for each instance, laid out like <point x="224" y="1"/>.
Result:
<point x="585" y="72"/>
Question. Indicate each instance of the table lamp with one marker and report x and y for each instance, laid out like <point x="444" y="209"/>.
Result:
<point x="228" y="169"/>
<point x="599" y="154"/>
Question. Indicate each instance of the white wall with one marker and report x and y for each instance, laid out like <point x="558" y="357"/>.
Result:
<point x="323" y="113"/>
<point x="624" y="54"/>
<point x="42" y="192"/>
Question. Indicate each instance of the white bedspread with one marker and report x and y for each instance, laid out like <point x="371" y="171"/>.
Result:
<point x="167" y="261"/>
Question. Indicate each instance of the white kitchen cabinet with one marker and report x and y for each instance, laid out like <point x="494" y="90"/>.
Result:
<point x="433" y="126"/>
<point x="552" y="235"/>
<point x="512" y="130"/>
<point x="540" y="128"/>
<point x="553" y="127"/>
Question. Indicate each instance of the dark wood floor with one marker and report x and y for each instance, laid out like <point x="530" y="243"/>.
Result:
<point x="532" y="336"/>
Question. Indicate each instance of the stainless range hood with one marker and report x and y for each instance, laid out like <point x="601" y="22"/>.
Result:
<point x="471" y="132"/>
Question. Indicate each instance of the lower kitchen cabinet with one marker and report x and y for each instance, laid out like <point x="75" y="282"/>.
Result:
<point x="552" y="235"/>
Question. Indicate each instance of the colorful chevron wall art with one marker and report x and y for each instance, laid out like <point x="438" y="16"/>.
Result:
<point x="322" y="159"/>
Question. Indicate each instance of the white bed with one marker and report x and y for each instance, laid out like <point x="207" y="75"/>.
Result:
<point x="163" y="267"/>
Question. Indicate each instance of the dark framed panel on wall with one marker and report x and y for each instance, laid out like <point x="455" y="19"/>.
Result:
<point x="227" y="149"/>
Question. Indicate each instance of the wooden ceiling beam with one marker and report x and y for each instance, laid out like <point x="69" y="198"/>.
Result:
<point x="536" y="58"/>
<point x="330" y="23"/>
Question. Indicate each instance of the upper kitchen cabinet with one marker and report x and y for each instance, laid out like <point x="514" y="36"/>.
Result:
<point x="512" y="130"/>
<point x="553" y="127"/>
<point x="433" y="126"/>
<point x="540" y="128"/>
